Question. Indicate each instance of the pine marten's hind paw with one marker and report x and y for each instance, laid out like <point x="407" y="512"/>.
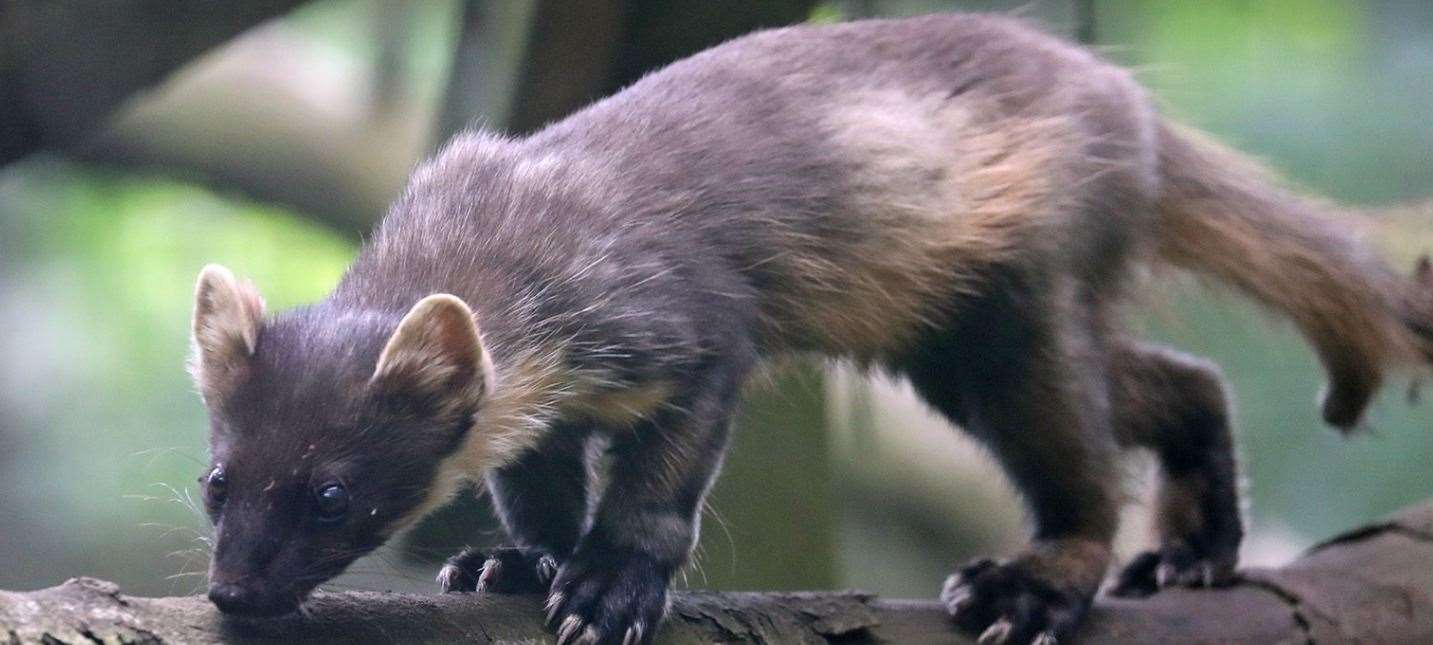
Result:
<point x="506" y="570"/>
<point x="1003" y="603"/>
<point x="1173" y="565"/>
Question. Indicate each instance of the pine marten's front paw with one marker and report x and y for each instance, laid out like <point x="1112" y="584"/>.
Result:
<point x="612" y="598"/>
<point x="508" y="570"/>
<point x="1003" y="603"/>
<point x="1173" y="565"/>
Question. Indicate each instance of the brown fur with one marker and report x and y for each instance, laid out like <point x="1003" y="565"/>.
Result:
<point x="622" y="407"/>
<point x="1223" y="216"/>
<point x="927" y="216"/>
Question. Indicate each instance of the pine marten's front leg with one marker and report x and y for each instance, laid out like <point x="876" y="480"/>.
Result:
<point x="542" y="502"/>
<point x="614" y="587"/>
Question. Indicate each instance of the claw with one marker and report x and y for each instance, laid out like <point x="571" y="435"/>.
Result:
<point x="490" y="568"/>
<point x="1207" y="573"/>
<point x="633" y="635"/>
<point x="996" y="633"/>
<point x="554" y="603"/>
<point x="589" y="636"/>
<point x="959" y="601"/>
<point x="1165" y="575"/>
<point x="1045" y="638"/>
<point x="952" y="582"/>
<point x="567" y="633"/>
<point x="448" y="578"/>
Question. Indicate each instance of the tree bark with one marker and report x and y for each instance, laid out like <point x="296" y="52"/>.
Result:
<point x="1373" y="584"/>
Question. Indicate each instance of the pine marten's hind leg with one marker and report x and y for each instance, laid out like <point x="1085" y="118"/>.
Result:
<point x="542" y="502"/>
<point x="1176" y="406"/>
<point x="1014" y="373"/>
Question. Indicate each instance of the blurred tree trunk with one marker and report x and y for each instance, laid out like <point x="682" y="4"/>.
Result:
<point x="1086" y="30"/>
<point x="523" y="65"/>
<point x="65" y="65"/>
<point x="773" y="517"/>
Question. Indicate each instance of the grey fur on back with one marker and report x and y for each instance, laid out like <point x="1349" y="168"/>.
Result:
<point x="819" y="166"/>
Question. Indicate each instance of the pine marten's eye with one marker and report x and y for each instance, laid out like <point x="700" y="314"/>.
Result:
<point x="216" y="487"/>
<point x="331" y="503"/>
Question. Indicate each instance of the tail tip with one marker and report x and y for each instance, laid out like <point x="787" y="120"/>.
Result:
<point x="1343" y="405"/>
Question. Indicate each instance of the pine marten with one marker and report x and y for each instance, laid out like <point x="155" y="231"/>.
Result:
<point x="959" y="200"/>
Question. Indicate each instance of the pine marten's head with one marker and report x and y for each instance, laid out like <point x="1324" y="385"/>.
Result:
<point x="328" y="430"/>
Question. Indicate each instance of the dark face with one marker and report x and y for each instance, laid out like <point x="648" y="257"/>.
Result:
<point x="278" y="539"/>
<point x="314" y="461"/>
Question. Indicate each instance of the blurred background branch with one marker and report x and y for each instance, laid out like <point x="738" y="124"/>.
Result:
<point x="66" y="65"/>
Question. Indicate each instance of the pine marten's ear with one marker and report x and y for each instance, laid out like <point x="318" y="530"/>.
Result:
<point x="435" y="358"/>
<point x="227" y="316"/>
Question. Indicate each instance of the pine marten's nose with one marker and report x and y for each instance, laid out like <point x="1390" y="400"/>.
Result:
<point x="232" y="598"/>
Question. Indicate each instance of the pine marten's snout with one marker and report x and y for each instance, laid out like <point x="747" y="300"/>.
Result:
<point x="249" y="599"/>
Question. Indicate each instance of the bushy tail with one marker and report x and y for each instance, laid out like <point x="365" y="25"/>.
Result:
<point x="1223" y="216"/>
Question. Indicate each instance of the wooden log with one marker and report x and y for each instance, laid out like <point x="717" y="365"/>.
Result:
<point x="1373" y="584"/>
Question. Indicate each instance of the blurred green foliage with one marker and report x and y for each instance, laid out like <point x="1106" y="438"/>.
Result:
<point x="103" y="283"/>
